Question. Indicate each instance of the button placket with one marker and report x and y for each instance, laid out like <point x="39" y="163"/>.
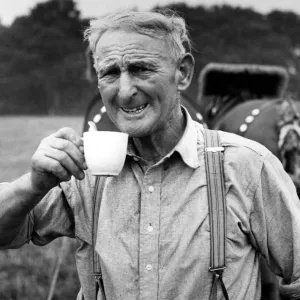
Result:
<point x="149" y="219"/>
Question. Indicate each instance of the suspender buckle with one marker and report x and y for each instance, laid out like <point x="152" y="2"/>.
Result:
<point x="98" y="277"/>
<point x="217" y="270"/>
<point x="214" y="149"/>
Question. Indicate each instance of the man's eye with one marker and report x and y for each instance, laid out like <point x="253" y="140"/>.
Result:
<point x="111" y="72"/>
<point x="138" y="69"/>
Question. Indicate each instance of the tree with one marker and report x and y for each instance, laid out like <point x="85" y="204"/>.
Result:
<point x="38" y="46"/>
<point x="42" y="54"/>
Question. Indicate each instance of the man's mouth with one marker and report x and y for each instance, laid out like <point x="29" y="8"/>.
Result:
<point x="135" y="110"/>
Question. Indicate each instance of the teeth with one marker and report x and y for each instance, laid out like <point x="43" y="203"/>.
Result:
<point x="135" y="110"/>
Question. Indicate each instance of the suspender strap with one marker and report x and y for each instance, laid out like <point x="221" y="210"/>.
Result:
<point x="97" y="197"/>
<point x="217" y="209"/>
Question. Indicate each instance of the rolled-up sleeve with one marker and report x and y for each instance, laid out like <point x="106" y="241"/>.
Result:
<point x="53" y="216"/>
<point x="50" y="219"/>
<point x="275" y="225"/>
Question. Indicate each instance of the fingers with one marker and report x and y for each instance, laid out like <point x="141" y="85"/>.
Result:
<point x="62" y="160"/>
<point x="44" y="165"/>
<point x="64" y="151"/>
<point x="60" y="155"/>
<point x="70" y="135"/>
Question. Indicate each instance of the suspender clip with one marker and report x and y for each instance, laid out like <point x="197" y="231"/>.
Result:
<point x="217" y="270"/>
<point x="214" y="149"/>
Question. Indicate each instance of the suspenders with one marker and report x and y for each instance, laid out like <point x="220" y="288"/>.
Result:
<point x="217" y="215"/>
<point x="217" y="209"/>
<point x="97" y="197"/>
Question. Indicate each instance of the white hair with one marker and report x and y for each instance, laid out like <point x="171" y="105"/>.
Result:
<point x="165" y="25"/>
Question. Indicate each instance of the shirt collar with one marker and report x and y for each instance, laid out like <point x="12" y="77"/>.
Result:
<point x="186" y="147"/>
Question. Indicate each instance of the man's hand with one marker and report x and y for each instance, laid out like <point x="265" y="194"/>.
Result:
<point x="58" y="157"/>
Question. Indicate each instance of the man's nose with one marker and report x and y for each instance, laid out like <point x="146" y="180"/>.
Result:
<point x="127" y="87"/>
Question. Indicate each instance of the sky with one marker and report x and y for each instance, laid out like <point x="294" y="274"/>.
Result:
<point x="10" y="9"/>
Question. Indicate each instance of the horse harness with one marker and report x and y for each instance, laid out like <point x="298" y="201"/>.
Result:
<point x="251" y="118"/>
<point x="213" y="155"/>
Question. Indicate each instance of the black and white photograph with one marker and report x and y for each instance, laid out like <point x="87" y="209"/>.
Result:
<point x="149" y="150"/>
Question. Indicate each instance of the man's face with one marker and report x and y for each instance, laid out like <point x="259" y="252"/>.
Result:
<point x="137" y="81"/>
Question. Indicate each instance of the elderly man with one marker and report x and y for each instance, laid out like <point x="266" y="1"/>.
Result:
<point x="153" y="235"/>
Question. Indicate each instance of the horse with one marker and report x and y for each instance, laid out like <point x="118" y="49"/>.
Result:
<point x="275" y="124"/>
<point x="251" y="101"/>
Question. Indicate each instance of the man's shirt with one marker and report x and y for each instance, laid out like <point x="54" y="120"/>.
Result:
<point x="153" y="231"/>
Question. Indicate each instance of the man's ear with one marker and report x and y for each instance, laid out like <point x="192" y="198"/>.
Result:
<point x="185" y="71"/>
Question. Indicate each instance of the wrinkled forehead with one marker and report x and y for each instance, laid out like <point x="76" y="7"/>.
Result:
<point x="128" y="45"/>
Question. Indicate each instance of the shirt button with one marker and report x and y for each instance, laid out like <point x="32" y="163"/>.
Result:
<point x="151" y="188"/>
<point x="149" y="267"/>
<point x="150" y="228"/>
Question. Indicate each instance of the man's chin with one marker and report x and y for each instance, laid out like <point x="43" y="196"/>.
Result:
<point x="134" y="129"/>
<point x="136" y="133"/>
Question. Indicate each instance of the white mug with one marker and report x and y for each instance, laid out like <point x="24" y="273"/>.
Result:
<point x="105" y="151"/>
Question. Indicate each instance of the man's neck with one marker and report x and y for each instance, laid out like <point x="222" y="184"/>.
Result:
<point x="154" y="147"/>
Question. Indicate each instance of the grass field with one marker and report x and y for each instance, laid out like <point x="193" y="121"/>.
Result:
<point x="26" y="273"/>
